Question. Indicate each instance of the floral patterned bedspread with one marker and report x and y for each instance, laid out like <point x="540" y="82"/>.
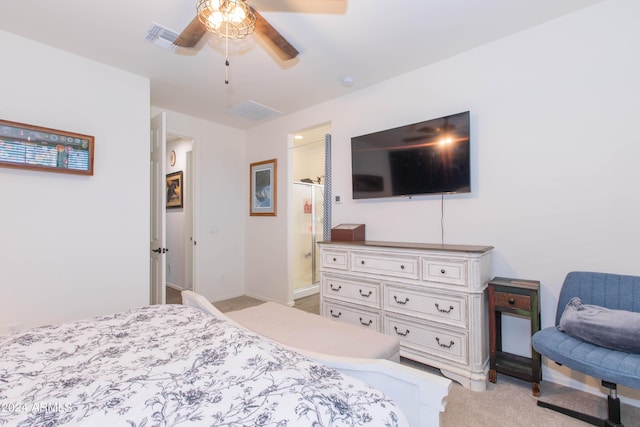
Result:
<point x="169" y="365"/>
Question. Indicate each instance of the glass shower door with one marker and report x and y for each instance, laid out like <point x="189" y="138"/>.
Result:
<point x="307" y="230"/>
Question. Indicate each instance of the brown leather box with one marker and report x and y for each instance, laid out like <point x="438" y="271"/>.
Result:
<point x="347" y="233"/>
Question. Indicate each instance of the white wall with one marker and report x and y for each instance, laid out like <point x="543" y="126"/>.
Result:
<point x="267" y="263"/>
<point x="74" y="246"/>
<point x="220" y="195"/>
<point x="555" y="146"/>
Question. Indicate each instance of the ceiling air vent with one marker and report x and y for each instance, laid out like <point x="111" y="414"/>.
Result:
<point x="161" y="36"/>
<point x="254" y="111"/>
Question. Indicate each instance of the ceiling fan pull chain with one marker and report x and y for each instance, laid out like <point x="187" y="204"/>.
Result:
<point x="226" y="59"/>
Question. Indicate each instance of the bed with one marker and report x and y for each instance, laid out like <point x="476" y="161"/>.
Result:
<point x="169" y="365"/>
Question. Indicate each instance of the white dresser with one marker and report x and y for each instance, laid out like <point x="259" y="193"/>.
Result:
<point x="433" y="297"/>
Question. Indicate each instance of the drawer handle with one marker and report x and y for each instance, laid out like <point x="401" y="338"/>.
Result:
<point x="336" y="315"/>
<point x="444" y="345"/>
<point x="442" y="310"/>
<point x="335" y="259"/>
<point x="366" y="324"/>
<point x="404" y="334"/>
<point x="402" y="267"/>
<point x="335" y="289"/>
<point x="362" y="294"/>
<point x="443" y="271"/>
<point x="362" y="262"/>
<point x="512" y="301"/>
<point x="406" y="300"/>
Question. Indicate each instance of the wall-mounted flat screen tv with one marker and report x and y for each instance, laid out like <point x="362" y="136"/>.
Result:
<point x="429" y="157"/>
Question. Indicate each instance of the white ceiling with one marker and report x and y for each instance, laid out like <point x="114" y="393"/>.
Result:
<point x="369" y="40"/>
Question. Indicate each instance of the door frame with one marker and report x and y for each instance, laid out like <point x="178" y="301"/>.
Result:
<point x="326" y="129"/>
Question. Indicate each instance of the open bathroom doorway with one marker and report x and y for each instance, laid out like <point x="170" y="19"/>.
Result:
<point x="307" y="208"/>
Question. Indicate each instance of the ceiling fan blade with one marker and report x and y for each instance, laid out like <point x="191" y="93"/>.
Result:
<point x="283" y="48"/>
<point x="302" y="6"/>
<point x="191" y="35"/>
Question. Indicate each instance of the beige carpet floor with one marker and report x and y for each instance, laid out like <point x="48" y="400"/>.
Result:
<point x="509" y="403"/>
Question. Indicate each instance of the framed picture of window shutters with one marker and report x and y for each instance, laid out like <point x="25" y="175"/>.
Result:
<point x="263" y="188"/>
<point x="37" y="148"/>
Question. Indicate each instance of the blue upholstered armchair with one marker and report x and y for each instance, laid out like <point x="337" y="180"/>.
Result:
<point x="611" y="366"/>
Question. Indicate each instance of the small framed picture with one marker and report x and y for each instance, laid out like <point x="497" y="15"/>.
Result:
<point x="263" y="188"/>
<point x="174" y="190"/>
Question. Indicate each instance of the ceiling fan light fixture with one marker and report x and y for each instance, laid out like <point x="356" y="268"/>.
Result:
<point x="230" y="19"/>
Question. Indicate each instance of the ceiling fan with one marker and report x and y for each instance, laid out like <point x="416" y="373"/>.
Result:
<point x="196" y="29"/>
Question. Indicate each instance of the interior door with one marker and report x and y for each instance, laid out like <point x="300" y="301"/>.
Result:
<point x="158" y="214"/>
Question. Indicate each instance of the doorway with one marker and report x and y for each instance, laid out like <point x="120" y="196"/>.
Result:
<point x="179" y="220"/>
<point x="307" y="208"/>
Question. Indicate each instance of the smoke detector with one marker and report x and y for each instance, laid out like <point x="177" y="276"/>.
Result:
<point x="348" y="81"/>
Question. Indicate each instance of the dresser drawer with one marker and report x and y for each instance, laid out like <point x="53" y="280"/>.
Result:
<point x="351" y="290"/>
<point x="341" y="313"/>
<point x="509" y="300"/>
<point x="401" y="266"/>
<point x="447" y="344"/>
<point x="453" y="272"/>
<point x="335" y="259"/>
<point x="449" y="309"/>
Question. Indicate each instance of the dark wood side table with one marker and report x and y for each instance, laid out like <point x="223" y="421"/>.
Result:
<point x="520" y="298"/>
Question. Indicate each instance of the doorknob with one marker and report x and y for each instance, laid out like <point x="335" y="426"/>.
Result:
<point x="156" y="250"/>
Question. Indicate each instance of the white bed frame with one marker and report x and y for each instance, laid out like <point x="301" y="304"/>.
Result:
<point x="420" y="395"/>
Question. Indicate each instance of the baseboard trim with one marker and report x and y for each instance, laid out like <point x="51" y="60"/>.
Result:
<point x="176" y="287"/>
<point x="306" y="291"/>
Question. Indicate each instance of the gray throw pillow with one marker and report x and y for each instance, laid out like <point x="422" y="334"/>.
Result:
<point x="614" y="329"/>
